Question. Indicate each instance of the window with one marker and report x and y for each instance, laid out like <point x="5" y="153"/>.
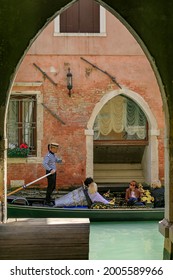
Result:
<point x="121" y="119"/>
<point x="21" y="122"/>
<point x="83" y="17"/>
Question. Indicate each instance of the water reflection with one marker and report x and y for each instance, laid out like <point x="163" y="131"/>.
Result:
<point x="126" y="241"/>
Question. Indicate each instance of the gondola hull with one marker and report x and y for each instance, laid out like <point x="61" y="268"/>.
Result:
<point x="116" y="214"/>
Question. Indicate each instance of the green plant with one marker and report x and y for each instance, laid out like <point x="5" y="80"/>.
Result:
<point x="18" y="152"/>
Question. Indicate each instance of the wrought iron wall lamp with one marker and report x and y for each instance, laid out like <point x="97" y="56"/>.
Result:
<point x="69" y="82"/>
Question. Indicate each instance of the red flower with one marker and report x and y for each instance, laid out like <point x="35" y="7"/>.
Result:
<point x="23" y="146"/>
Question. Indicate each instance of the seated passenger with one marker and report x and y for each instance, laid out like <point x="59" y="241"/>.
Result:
<point x="83" y="196"/>
<point x="93" y="192"/>
<point x="133" y="194"/>
<point x="158" y="193"/>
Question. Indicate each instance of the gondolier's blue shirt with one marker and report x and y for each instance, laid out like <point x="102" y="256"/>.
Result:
<point x="50" y="161"/>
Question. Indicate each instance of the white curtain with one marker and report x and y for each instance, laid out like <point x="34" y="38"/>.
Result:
<point x="27" y="122"/>
<point x="25" y="127"/>
<point x="119" y="115"/>
<point x="12" y="124"/>
<point x="135" y="120"/>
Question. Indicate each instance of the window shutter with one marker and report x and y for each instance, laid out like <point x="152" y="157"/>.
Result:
<point x="81" y="17"/>
<point x="69" y="19"/>
<point x="89" y="16"/>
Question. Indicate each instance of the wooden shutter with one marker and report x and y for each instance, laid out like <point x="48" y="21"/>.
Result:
<point x="69" y="20"/>
<point x="89" y="16"/>
<point x="81" y="17"/>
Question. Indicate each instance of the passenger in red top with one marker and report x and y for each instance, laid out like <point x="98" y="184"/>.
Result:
<point x="133" y="194"/>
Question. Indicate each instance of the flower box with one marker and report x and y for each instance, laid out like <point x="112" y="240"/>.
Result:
<point x="18" y="152"/>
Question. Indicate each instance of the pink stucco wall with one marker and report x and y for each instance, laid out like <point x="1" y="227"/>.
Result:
<point x="116" y="41"/>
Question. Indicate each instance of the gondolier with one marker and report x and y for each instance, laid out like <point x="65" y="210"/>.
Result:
<point x="49" y="164"/>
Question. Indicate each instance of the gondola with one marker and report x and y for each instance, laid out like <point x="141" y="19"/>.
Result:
<point x="77" y="204"/>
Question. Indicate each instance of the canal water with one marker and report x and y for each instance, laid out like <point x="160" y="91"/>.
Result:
<point x="138" y="240"/>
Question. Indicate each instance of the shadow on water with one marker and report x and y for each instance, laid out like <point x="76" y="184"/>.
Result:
<point x="138" y="240"/>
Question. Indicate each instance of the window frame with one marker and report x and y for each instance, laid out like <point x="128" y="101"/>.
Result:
<point x="102" y="32"/>
<point x="39" y="115"/>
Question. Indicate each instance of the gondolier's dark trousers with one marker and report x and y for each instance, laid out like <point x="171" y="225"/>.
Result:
<point x="51" y="179"/>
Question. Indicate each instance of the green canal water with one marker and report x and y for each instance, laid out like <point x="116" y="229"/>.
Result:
<point x="138" y="240"/>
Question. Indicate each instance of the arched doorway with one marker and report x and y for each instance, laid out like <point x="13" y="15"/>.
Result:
<point x="145" y="168"/>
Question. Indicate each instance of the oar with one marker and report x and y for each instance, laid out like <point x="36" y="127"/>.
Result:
<point x="24" y="186"/>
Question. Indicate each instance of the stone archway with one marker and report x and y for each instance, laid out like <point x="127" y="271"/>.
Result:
<point x="49" y="13"/>
<point x="139" y="16"/>
<point x="151" y="152"/>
